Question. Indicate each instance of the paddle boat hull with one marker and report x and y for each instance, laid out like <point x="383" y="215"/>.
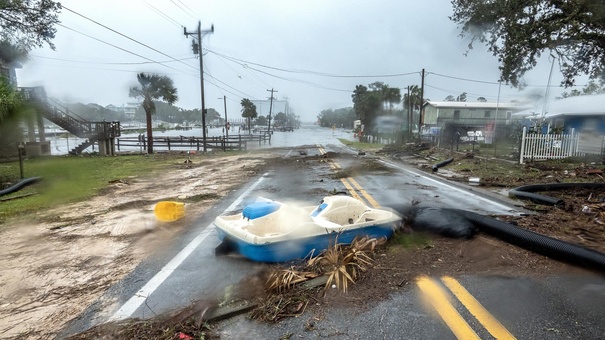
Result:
<point x="270" y="231"/>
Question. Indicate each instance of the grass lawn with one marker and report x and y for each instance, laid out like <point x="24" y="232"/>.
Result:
<point x="362" y="146"/>
<point x="69" y="179"/>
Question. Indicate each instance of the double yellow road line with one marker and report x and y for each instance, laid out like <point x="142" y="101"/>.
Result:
<point x="440" y="300"/>
<point x="435" y="291"/>
<point x="351" y="184"/>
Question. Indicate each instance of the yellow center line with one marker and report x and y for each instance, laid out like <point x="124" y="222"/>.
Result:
<point x="350" y="188"/>
<point x="336" y="165"/>
<point x="365" y="193"/>
<point x="321" y="149"/>
<point x="493" y="326"/>
<point x="438" y="298"/>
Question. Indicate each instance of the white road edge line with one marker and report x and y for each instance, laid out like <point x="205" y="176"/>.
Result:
<point x="499" y="205"/>
<point x="139" y="298"/>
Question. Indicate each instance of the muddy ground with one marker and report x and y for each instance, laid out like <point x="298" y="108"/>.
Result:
<point x="56" y="263"/>
<point x="67" y="264"/>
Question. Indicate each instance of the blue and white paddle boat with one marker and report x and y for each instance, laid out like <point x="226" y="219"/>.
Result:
<point x="270" y="231"/>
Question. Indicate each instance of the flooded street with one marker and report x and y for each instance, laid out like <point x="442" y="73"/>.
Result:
<point x="61" y="145"/>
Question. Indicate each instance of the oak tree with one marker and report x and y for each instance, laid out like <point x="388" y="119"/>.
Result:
<point x="518" y="32"/>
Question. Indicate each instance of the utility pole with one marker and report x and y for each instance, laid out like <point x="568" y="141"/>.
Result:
<point x="197" y="49"/>
<point x="270" y="108"/>
<point x="409" y="115"/>
<point x="226" y="121"/>
<point x="421" y="102"/>
<point x="227" y="125"/>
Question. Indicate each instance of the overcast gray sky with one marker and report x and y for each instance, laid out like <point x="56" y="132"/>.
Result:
<point x="256" y="42"/>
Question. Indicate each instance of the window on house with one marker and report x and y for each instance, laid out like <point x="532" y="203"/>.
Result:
<point x="509" y="114"/>
<point x="487" y="114"/>
<point x="456" y="114"/>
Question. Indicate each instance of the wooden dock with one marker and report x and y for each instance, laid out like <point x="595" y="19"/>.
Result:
<point x="237" y="142"/>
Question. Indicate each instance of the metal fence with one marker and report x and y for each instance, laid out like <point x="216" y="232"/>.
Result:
<point x="537" y="146"/>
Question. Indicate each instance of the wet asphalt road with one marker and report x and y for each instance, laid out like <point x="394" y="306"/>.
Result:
<point x="568" y="306"/>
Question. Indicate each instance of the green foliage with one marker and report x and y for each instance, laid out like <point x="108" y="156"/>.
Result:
<point x="10" y="53"/>
<point x="28" y="23"/>
<point x="281" y="119"/>
<point x="343" y="117"/>
<point x="11" y="102"/>
<point x="518" y="32"/>
<point x="413" y="240"/>
<point x="212" y="114"/>
<point x="361" y="145"/>
<point x="413" y="99"/>
<point x="69" y="179"/>
<point x="153" y="87"/>
<point x="591" y="88"/>
<point x="248" y="110"/>
<point x="366" y="103"/>
<point x="261" y="120"/>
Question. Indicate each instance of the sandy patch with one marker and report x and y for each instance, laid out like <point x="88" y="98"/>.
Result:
<point x="55" y="264"/>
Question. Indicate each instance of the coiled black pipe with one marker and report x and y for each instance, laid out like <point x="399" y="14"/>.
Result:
<point x="557" y="249"/>
<point x="527" y="191"/>
<point x="436" y="166"/>
<point x="20" y="185"/>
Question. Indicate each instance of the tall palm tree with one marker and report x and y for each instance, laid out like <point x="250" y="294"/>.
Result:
<point x="248" y="111"/>
<point x="392" y="95"/>
<point x="153" y="87"/>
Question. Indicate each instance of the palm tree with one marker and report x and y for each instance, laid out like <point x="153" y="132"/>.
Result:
<point x="248" y="111"/>
<point x="392" y="95"/>
<point x="153" y="87"/>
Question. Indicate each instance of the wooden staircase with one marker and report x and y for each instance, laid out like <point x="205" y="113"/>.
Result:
<point x="61" y="116"/>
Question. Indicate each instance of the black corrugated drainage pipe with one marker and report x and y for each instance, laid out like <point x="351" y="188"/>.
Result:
<point x="20" y="185"/>
<point x="436" y="166"/>
<point x="557" y="249"/>
<point x="527" y="191"/>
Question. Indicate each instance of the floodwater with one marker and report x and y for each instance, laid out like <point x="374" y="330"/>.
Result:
<point x="305" y="135"/>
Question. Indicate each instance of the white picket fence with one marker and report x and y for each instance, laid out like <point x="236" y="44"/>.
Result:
<point x="537" y="146"/>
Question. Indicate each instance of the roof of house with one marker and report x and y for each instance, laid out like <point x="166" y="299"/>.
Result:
<point x="571" y="106"/>
<point x="475" y="105"/>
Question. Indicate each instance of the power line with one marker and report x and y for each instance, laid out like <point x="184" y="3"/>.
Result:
<point x="239" y="75"/>
<point x="314" y="72"/>
<point x="288" y="79"/>
<point x="450" y="92"/>
<point x="222" y="82"/>
<point x="490" y="82"/>
<point x="164" y="15"/>
<point x="127" y="37"/>
<point x="189" y="8"/>
<point x="108" y="63"/>
<point x="182" y="9"/>
<point x="464" y="79"/>
<point x="119" y="48"/>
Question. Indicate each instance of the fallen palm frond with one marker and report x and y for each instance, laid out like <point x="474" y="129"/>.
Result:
<point x="340" y="264"/>
<point x="343" y="264"/>
<point x="283" y="280"/>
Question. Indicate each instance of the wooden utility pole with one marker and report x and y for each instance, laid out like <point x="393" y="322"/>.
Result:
<point x="197" y="49"/>
<point x="226" y="121"/>
<point x="409" y="115"/>
<point x="271" y="108"/>
<point x="421" y="102"/>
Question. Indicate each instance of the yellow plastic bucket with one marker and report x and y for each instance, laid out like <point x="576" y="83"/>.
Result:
<point x="167" y="211"/>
